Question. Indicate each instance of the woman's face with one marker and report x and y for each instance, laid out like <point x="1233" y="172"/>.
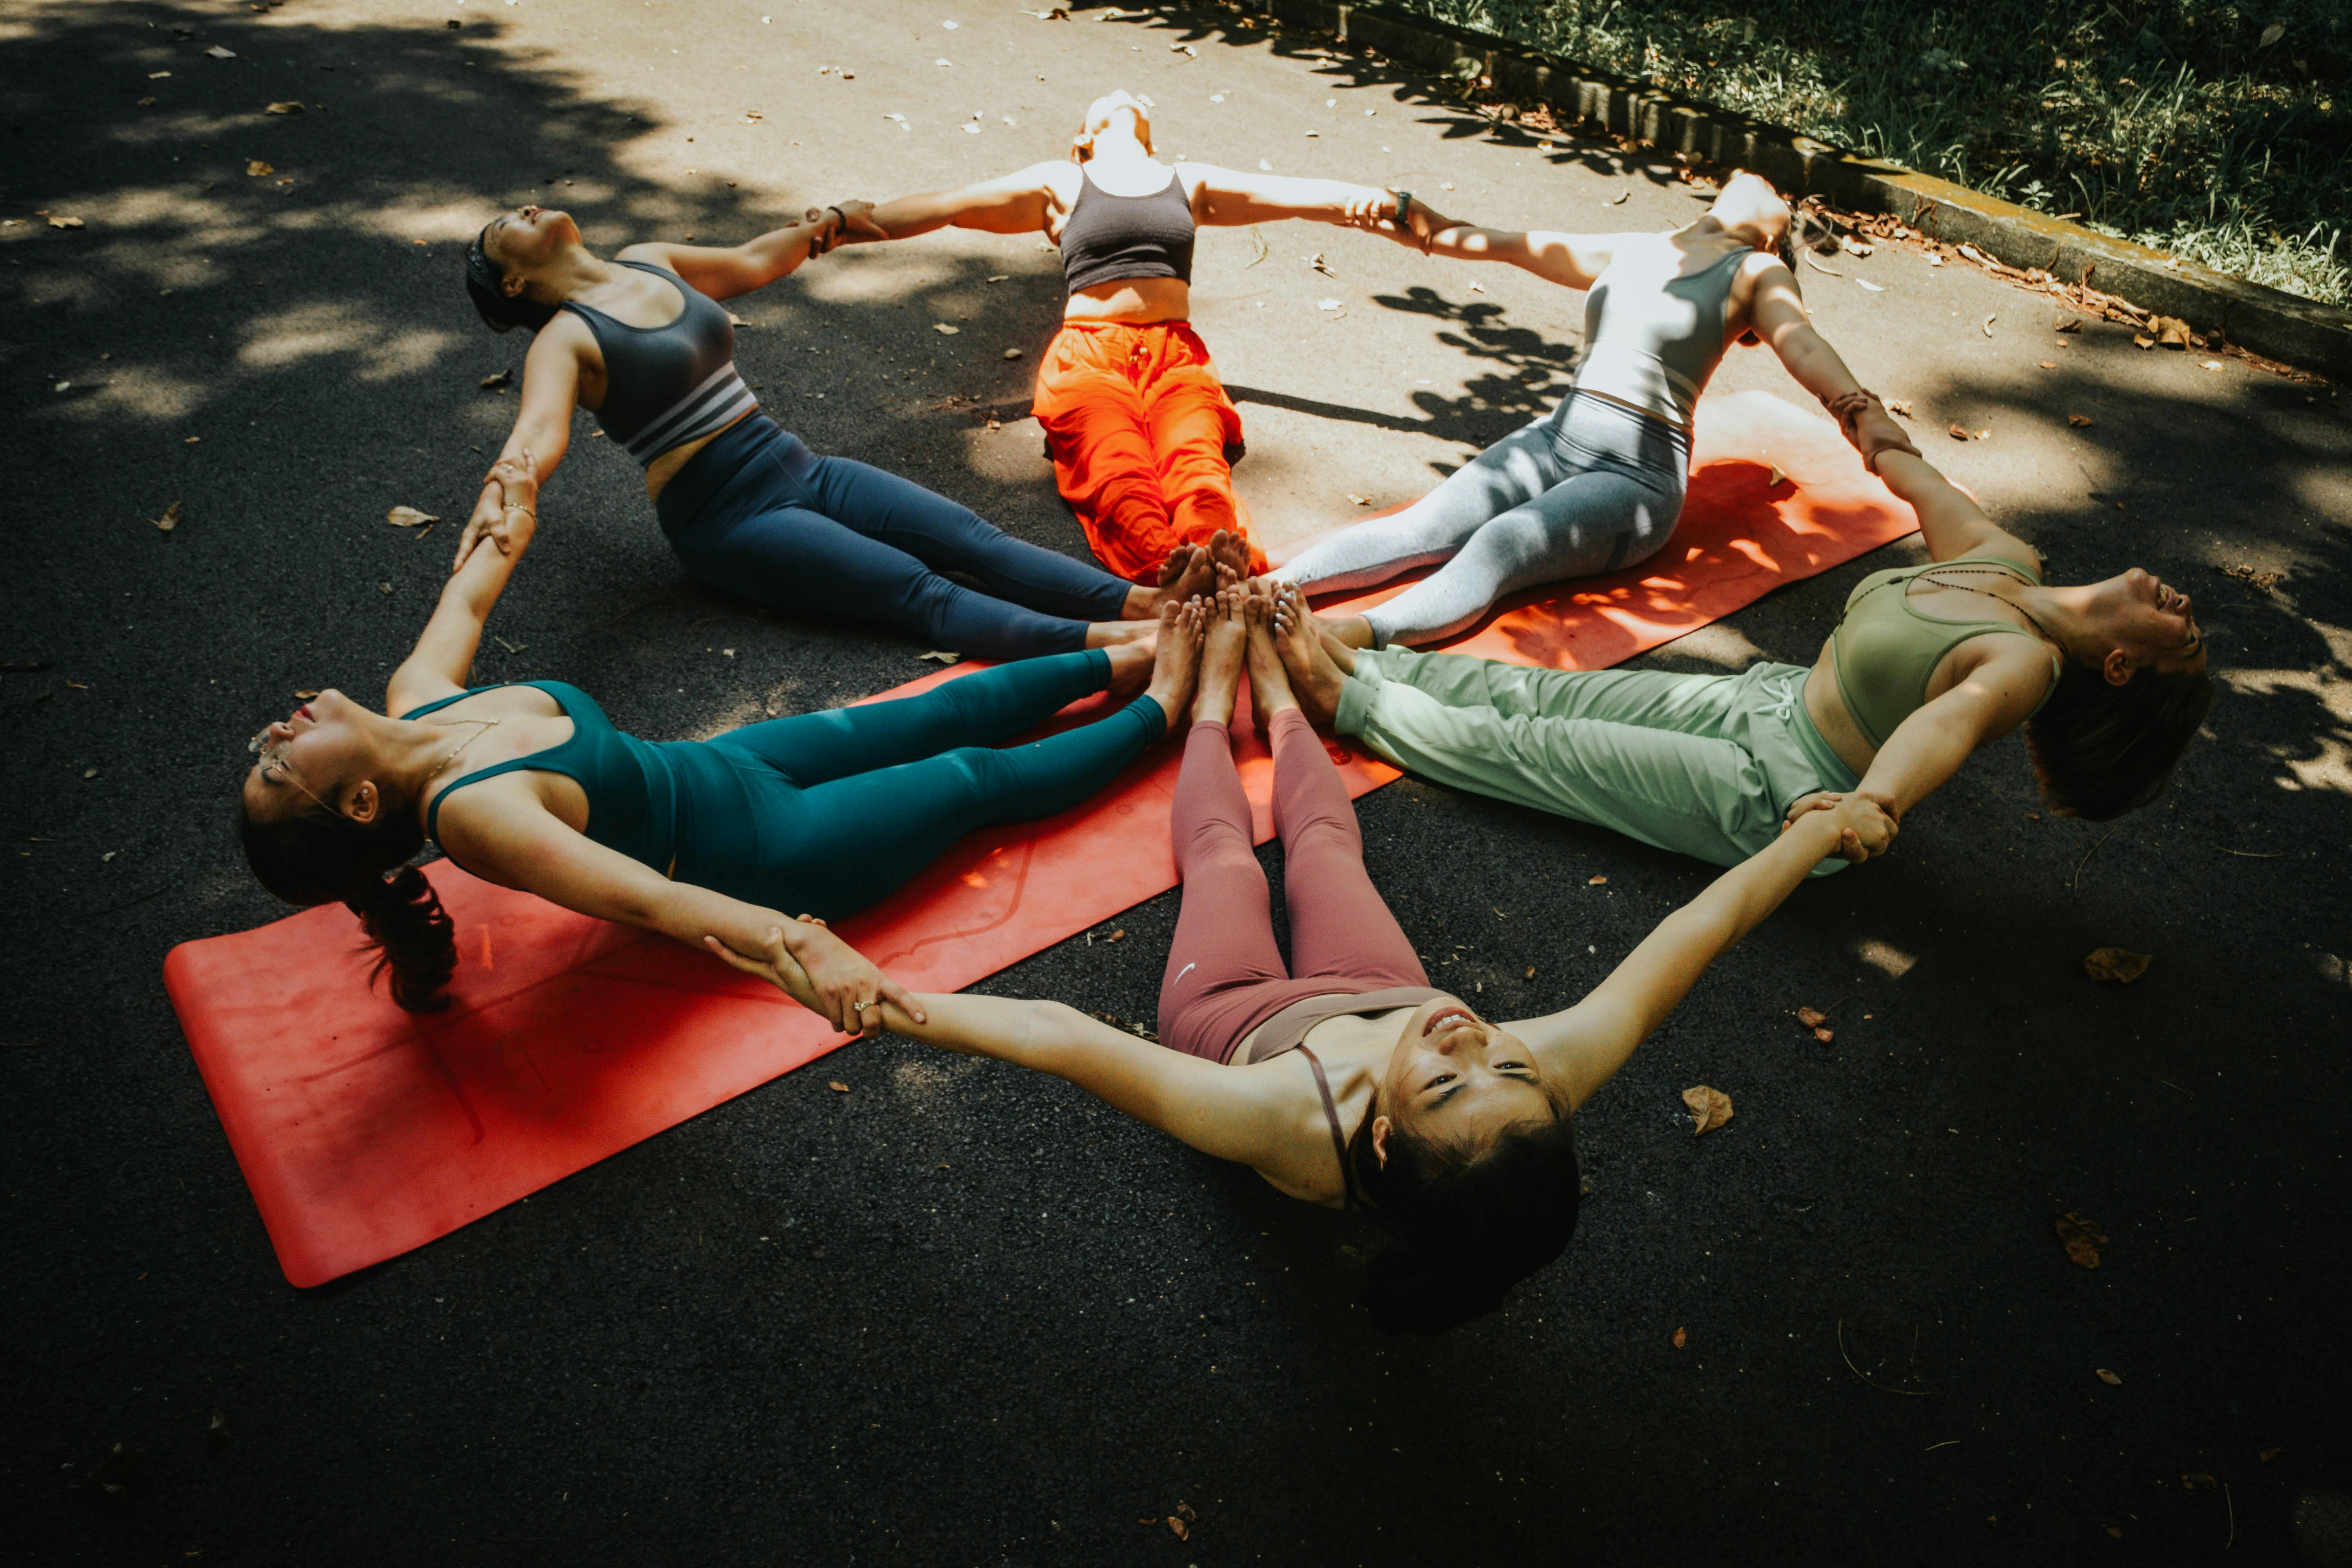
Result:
<point x="1107" y="111"/>
<point x="2154" y="624"/>
<point x="527" y="238"/>
<point x="306" y="757"/>
<point x="1456" y="1077"/>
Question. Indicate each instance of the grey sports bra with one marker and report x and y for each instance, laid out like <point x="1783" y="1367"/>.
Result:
<point x="1109" y="238"/>
<point x="1651" y="338"/>
<point x="670" y="385"/>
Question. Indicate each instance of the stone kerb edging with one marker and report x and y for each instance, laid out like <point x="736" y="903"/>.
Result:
<point x="2266" y="321"/>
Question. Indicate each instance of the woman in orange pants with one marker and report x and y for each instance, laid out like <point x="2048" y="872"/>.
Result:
<point x="1140" y="430"/>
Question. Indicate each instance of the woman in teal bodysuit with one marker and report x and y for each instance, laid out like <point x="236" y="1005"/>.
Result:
<point x="528" y="785"/>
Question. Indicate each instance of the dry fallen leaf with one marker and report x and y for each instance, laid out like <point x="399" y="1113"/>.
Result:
<point x="1360" y="500"/>
<point x="1824" y="1035"/>
<point x="2047" y="363"/>
<point x="64" y="223"/>
<point x="837" y="1086"/>
<point x="1775" y="479"/>
<point x="168" y="521"/>
<point x="2110" y="1379"/>
<point x="2071" y="324"/>
<point x="1811" y="1018"/>
<point x="383" y="587"/>
<point x="408" y="517"/>
<point x="497" y="382"/>
<point x="1681" y="1339"/>
<point x="2211" y="364"/>
<point x="305" y="696"/>
<point x="1012" y="354"/>
<point x="2195" y="1480"/>
<point x="1989" y="320"/>
<point x="1709" y="1108"/>
<point x="2271" y="35"/>
<point x="1853" y="247"/>
<point x="2081" y="1237"/>
<point x="2119" y="964"/>
<point x="1934" y="258"/>
<point x="2172" y="332"/>
<point x="1899" y="405"/>
<point x="1873" y="288"/>
<point x="941" y="656"/>
<point x="1595" y="881"/>
<point x="289" y="107"/>
<point x="1957" y="431"/>
<point x="257" y="168"/>
<point x="2142" y="340"/>
<point x="218" y="53"/>
<point x="944" y="330"/>
<point x="2079" y="421"/>
<point x="1117" y="934"/>
<point x="1178" y="1529"/>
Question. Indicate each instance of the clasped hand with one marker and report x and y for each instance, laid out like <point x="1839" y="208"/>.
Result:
<point x="824" y="974"/>
<point x="853" y="222"/>
<point x="509" y="491"/>
<point x="1866" y="828"/>
<point x="1377" y="214"/>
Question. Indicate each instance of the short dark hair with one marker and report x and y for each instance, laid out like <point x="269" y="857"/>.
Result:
<point x="485" y="280"/>
<point x="1466" y="1224"/>
<point x="2100" y="750"/>
<point x="318" y="856"/>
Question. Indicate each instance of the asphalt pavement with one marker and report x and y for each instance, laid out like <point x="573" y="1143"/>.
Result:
<point x="964" y="1315"/>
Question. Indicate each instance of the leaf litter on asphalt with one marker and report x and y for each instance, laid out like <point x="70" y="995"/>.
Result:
<point x="2120" y="965"/>
<point x="2081" y="1237"/>
<point x="1709" y="1108"/>
<point x="409" y="517"/>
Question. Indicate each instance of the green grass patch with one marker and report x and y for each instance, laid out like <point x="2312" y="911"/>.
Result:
<point x="2220" y="133"/>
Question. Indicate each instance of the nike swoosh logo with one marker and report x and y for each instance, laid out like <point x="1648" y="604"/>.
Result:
<point x="1183" y="971"/>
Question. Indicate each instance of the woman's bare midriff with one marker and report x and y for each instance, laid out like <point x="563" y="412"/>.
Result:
<point x="1133" y="302"/>
<point x="659" y="472"/>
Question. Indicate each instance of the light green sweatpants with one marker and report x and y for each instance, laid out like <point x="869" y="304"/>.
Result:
<point x="1703" y="765"/>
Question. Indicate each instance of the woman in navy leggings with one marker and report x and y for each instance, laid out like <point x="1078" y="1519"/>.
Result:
<point x="642" y="341"/>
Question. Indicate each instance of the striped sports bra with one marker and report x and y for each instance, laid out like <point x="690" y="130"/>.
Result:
<point x="670" y="385"/>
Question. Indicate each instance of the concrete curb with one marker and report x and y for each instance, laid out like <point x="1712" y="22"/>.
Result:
<point x="2268" y="322"/>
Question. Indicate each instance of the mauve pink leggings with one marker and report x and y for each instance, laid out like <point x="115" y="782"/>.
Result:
<point x="1226" y="975"/>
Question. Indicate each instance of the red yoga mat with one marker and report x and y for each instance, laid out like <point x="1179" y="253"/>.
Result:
<point x="365" y="1131"/>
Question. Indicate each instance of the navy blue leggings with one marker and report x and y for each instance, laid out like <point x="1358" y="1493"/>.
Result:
<point x="757" y="514"/>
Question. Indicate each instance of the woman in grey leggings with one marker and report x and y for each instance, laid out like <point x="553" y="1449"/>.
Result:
<point x="1595" y="485"/>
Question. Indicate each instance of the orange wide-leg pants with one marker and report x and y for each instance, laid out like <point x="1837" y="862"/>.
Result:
<point x="1138" y="424"/>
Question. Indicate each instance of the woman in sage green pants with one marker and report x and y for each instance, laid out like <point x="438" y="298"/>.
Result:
<point x="1925" y="665"/>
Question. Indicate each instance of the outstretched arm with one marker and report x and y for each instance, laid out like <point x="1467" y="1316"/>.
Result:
<point x="1951" y="524"/>
<point x="1584" y="1045"/>
<point x="542" y="432"/>
<point x="1010" y="204"/>
<point x="1571" y="260"/>
<point x="444" y="656"/>
<point x="2009" y="680"/>
<point x="725" y="272"/>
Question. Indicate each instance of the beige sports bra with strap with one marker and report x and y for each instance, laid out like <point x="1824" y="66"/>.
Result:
<point x="1885" y="652"/>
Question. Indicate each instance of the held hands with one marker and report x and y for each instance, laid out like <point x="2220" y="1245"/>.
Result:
<point x="843" y="222"/>
<point x="1866" y="829"/>
<point x="508" y="512"/>
<point x="1377" y="214"/>
<point x="824" y="974"/>
<point x="1868" y="424"/>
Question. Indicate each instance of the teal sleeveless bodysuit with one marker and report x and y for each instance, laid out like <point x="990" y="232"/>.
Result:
<point x="825" y="813"/>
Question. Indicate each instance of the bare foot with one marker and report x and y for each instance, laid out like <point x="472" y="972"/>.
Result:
<point x="1316" y="679"/>
<point x="1231" y="553"/>
<point x="1270" y="690"/>
<point x="1221" y="658"/>
<point x="1178" y="664"/>
<point x="1186" y="572"/>
<point x="1111" y="634"/>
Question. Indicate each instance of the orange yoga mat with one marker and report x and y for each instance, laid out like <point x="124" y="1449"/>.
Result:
<point x="364" y="1131"/>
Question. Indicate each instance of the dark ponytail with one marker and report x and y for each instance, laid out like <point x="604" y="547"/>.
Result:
<point x="318" y="856"/>
<point x="1465" y="1226"/>
<point x="500" y="310"/>
<point x="2101" y="750"/>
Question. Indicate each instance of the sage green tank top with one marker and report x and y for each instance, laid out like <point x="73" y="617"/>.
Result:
<point x="1885" y="652"/>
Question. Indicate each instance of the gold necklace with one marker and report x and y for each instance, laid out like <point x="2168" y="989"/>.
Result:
<point x="487" y="726"/>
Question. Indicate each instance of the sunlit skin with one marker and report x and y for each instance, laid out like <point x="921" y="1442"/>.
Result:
<point x="542" y="255"/>
<point x="1439" y="1069"/>
<point x="1747" y="217"/>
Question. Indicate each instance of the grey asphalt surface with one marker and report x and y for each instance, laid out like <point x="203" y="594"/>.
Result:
<point x="965" y="1315"/>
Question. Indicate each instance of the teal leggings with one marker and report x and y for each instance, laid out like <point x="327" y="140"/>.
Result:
<point x="825" y="813"/>
<point x="1706" y="766"/>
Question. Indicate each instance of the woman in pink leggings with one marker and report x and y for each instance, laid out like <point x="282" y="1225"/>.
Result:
<point x="1343" y="1077"/>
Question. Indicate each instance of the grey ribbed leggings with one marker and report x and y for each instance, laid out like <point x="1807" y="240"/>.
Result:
<point x="1592" y="487"/>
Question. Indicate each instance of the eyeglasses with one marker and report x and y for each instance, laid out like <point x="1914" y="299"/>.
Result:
<point x="273" y="763"/>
